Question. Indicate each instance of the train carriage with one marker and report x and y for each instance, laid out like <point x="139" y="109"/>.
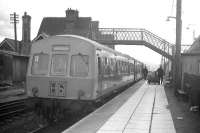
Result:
<point x="70" y="67"/>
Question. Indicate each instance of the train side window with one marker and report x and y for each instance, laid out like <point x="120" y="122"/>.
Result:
<point x="133" y="67"/>
<point x="79" y="66"/>
<point x="108" y="67"/>
<point x="116" y="66"/>
<point x="123" y="67"/>
<point x="129" y="67"/>
<point x="120" y="66"/>
<point x="40" y="64"/>
<point x="59" y="64"/>
<point x="126" y="63"/>
<point x="106" y="61"/>
<point x="113" y="66"/>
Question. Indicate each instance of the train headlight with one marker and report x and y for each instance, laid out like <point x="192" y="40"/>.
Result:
<point x="35" y="91"/>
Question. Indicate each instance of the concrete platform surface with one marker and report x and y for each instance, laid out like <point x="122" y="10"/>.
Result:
<point x="144" y="111"/>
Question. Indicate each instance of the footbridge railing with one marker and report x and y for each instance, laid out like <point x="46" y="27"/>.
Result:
<point x="131" y="36"/>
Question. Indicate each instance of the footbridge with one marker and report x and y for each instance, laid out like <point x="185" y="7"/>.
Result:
<point x="132" y="36"/>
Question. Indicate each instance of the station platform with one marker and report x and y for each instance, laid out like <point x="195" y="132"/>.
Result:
<point x="139" y="109"/>
<point x="12" y="95"/>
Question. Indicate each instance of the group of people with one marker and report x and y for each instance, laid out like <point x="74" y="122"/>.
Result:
<point x="159" y="73"/>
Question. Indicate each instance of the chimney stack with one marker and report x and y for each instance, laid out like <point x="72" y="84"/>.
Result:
<point x="26" y="28"/>
<point x="71" y="14"/>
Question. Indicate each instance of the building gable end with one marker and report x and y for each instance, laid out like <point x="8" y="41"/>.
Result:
<point x="40" y="37"/>
<point x="5" y="45"/>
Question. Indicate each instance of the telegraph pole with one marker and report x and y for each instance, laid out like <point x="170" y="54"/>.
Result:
<point x="177" y="60"/>
<point x="14" y="19"/>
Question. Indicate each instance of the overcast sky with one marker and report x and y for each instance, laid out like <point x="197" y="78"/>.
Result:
<point x="148" y="14"/>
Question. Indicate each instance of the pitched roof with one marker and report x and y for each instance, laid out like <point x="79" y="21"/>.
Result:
<point x="63" y="25"/>
<point x="195" y="47"/>
<point x="7" y="46"/>
<point x="8" y="43"/>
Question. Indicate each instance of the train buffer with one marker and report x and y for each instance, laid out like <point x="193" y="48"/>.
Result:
<point x="136" y="110"/>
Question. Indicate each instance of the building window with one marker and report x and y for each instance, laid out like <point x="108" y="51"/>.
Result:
<point x="59" y="64"/>
<point x="40" y="64"/>
<point x="79" y="65"/>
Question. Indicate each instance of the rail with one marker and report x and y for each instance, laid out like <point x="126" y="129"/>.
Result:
<point x="11" y="109"/>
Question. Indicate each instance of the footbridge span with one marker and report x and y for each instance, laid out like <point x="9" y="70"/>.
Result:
<point x="132" y="36"/>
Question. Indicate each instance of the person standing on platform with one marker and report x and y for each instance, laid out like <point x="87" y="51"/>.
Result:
<point x="145" y="72"/>
<point x="160" y="74"/>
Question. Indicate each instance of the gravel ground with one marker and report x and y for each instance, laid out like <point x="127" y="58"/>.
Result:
<point x="185" y="121"/>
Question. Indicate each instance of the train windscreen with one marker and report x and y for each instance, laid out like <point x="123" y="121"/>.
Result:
<point x="59" y="64"/>
<point x="40" y="64"/>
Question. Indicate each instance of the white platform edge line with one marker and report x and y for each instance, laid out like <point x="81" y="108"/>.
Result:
<point x="162" y="92"/>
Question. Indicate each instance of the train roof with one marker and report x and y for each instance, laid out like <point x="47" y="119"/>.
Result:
<point x="96" y="44"/>
<point x="91" y="42"/>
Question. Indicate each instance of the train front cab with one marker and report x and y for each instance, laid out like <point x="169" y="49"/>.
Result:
<point x="61" y="68"/>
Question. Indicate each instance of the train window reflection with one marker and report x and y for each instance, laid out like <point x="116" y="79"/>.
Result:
<point x="59" y="64"/>
<point x="40" y="64"/>
<point x="79" y="65"/>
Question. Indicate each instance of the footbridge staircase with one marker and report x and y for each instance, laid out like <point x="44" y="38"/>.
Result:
<point x="131" y="36"/>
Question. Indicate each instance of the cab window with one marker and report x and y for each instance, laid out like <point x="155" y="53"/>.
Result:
<point x="40" y="64"/>
<point x="79" y="65"/>
<point x="59" y="64"/>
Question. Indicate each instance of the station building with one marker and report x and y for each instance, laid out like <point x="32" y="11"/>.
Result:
<point x="71" y="24"/>
<point x="14" y="55"/>
<point x="190" y="60"/>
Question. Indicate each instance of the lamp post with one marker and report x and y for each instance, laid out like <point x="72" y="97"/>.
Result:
<point x="178" y="46"/>
<point x="177" y="58"/>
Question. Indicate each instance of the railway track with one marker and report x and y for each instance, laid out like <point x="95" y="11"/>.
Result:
<point x="11" y="109"/>
<point x="16" y="116"/>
